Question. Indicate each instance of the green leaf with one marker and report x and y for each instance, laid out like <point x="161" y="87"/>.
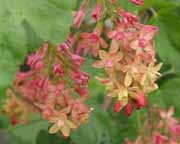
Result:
<point x="167" y="40"/>
<point x="95" y="132"/>
<point x="45" y="138"/>
<point x="168" y="94"/>
<point x="24" y="25"/>
<point x="28" y="133"/>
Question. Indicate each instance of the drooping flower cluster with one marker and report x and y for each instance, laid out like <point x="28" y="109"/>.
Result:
<point x="129" y="61"/>
<point x="55" y="86"/>
<point x="160" y="128"/>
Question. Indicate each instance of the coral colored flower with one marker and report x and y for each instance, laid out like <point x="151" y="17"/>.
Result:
<point x="90" y="43"/>
<point x="108" y="60"/>
<point x="96" y="13"/>
<point x="138" y="2"/>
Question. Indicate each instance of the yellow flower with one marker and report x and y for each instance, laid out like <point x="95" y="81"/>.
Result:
<point x="61" y="123"/>
<point x="149" y="76"/>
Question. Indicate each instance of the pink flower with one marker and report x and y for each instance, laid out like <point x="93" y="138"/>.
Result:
<point x="138" y="2"/>
<point x="96" y="13"/>
<point x="128" y="18"/>
<point x="115" y="34"/>
<point x="22" y="76"/>
<point x="58" y="70"/>
<point x="64" y="47"/>
<point x="79" y="18"/>
<point x="147" y="32"/>
<point x="176" y="130"/>
<point x="80" y="77"/>
<point x="76" y="59"/>
<point x="160" y="139"/>
<point x="91" y="43"/>
<point x="170" y="121"/>
<point x="83" y="92"/>
<point x="35" y="61"/>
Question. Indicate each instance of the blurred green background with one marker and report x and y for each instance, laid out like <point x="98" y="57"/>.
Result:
<point x="25" y="24"/>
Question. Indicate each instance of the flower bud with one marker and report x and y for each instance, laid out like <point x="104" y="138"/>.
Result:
<point x="96" y="13"/>
<point x="117" y="106"/>
<point x="128" y="109"/>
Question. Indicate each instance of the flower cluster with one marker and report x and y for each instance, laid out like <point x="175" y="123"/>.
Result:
<point x="129" y="60"/>
<point x="160" y="128"/>
<point x="55" y="86"/>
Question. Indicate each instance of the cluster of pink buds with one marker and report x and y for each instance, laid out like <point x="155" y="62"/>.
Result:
<point x="129" y="61"/>
<point x="160" y="128"/>
<point x="55" y="86"/>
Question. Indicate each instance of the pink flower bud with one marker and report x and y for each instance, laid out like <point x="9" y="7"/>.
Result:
<point x="79" y="18"/>
<point x="64" y="47"/>
<point x="128" y="18"/>
<point x="76" y="59"/>
<point x="128" y="109"/>
<point x="58" y="70"/>
<point x="83" y="92"/>
<point x="80" y="77"/>
<point x="39" y="65"/>
<point x="117" y="106"/>
<point x="141" y="99"/>
<point x="96" y="13"/>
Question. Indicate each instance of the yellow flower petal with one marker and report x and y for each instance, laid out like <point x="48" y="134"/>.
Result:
<point x="103" y="54"/>
<point x="98" y="64"/>
<point x="70" y="124"/>
<point x="65" y="130"/>
<point x="54" y="128"/>
<point x="128" y="79"/>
